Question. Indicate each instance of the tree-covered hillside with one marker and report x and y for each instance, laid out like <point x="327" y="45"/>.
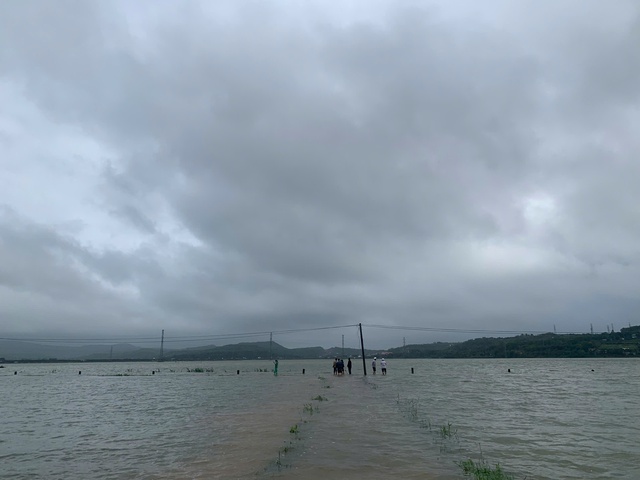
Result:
<point x="617" y="344"/>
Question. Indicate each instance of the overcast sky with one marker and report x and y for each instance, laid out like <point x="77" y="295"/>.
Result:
<point x="213" y="168"/>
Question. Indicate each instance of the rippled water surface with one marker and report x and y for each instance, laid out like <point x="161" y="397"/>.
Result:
<point x="545" y="419"/>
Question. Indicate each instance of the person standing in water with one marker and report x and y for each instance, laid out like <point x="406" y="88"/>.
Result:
<point x="383" y="366"/>
<point x="349" y="365"/>
<point x="373" y="365"/>
<point x="275" y="367"/>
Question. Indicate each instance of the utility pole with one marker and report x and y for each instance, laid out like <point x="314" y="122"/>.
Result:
<point x="404" y="342"/>
<point x="162" y="346"/>
<point x="270" y="344"/>
<point x="343" y="345"/>
<point x="111" y="353"/>
<point x="592" y="329"/>
<point x="364" y="362"/>
<point x="554" y="328"/>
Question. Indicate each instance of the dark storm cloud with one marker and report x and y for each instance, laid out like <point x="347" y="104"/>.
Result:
<point x="279" y="171"/>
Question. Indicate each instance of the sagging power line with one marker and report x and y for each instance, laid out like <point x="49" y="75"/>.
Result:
<point x="270" y="333"/>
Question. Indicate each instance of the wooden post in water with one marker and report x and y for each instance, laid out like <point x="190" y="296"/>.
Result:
<point x="364" y="362"/>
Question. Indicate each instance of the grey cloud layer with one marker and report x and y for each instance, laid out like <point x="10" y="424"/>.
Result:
<point x="335" y="174"/>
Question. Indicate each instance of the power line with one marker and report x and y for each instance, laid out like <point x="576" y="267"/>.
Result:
<point x="168" y="339"/>
<point x="246" y="335"/>
<point x="462" y="330"/>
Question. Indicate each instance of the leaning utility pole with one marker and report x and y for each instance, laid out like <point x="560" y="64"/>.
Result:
<point x="364" y="362"/>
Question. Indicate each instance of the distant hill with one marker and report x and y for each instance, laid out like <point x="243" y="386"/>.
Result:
<point x="31" y="351"/>
<point x="17" y="350"/>
<point x="626" y="342"/>
<point x="257" y="350"/>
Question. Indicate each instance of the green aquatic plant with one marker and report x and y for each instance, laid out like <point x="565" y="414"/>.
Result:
<point x="320" y="398"/>
<point x="294" y="429"/>
<point x="447" y="431"/>
<point x="483" y="471"/>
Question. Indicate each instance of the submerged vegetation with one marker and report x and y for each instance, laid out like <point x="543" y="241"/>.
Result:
<point x="483" y="471"/>
<point x="294" y="431"/>
<point x="446" y="437"/>
<point x="446" y="431"/>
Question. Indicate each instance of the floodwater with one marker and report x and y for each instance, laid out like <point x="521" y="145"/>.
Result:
<point x="545" y="419"/>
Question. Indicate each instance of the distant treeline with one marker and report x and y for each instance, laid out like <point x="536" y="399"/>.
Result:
<point x="626" y="342"/>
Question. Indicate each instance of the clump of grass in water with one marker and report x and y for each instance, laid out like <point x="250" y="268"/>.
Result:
<point x="447" y="431"/>
<point x="308" y="408"/>
<point x="425" y="424"/>
<point x="279" y="463"/>
<point x="483" y="471"/>
<point x="413" y="409"/>
<point x="294" y="429"/>
<point x="320" y="398"/>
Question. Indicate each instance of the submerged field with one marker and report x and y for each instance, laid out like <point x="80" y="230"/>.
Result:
<point x="534" y="419"/>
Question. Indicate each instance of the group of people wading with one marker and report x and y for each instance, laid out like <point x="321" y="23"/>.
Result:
<point x="338" y="366"/>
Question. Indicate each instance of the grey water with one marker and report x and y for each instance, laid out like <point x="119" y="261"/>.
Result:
<point x="537" y="418"/>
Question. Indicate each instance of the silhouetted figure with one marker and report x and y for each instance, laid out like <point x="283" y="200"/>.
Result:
<point x="373" y="365"/>
<point x="349" y="365"/>
<point x="340" y="366"/>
